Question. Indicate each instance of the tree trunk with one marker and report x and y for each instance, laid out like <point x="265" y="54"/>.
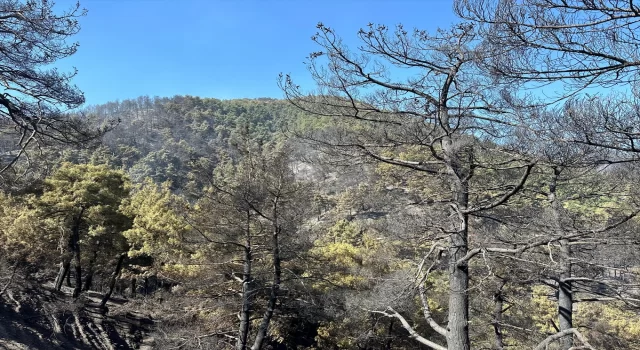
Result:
<point x="275" y="287"/>
<point x="68" y="273"/>
<point x="112" y="282"/>
<point x="78" y="272"/>
<point x="134" y="286"/>
<point x="88" y="280"/>
<point x="62" y="273"/>
<point x="390" y="336"/>
<point x="459" y="174"/>
<point x="247" y="292"/>
<point x="75" y="248"/>
<point x="565" y="295"/>
<point x="497" y="318"/>
<point x="458" y="335"/>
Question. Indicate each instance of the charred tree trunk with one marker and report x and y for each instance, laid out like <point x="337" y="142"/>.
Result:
<point x="458" y="326"/>
<point x="134" y="286"/>
<point x="62" y="273"/>
<point x="75" y="248"/>
<point x="247" y="292"/>
<point x="458" y="335"/>
<point x="68" y="273"/>
<point x="565" y="293"/>
<point x="78" y="272"/>
<point x="112" y="282"/>
<point x="275" y="287"/>
<point x="390" y="336"/>
<point x="88" y="279"/>
<point x="498" y="310"/>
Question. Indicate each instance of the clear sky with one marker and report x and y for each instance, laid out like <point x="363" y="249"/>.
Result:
<point x="222" y="49"/>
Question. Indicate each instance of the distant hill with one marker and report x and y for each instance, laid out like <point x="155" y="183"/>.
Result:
<point x="163" y="138"/>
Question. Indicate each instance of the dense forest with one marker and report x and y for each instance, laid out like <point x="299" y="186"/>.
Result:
<point x="471" y="188"/>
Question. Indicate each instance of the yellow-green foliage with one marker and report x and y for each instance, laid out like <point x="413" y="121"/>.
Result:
<point x="587" y="194"/>
<point x="352" y="254"/>
<point x="610" y="317"/>
<point x="437" y="285"/>
<point x="593" y="318"/>
<point x="344" y="231"/>
<point x="599" y="209"/>
<point x="93" y="194"/>
<point x="37" y="227"/>
<point x="330" y="333"/>
<point x="343" y="248"/>
<point x="545" y="309"/>
<point x="23" y="232"/>
<point x="347" y="249"/>
<point x="94" y="188"/>
<point x="158" y="229"/>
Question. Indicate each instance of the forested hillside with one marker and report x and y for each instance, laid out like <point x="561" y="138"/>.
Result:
<point x="424" y="194"/>
<point x="184" y="196"/>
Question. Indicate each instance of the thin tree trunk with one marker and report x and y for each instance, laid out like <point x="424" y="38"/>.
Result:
<point x="247" y="292"/>
<point x="75" y="248"/>
<point x="68" y="273"/>
<point x="389" y="335"/>
<point x="62" y="273"/>
<point x="498" y="310"/>
<point x="112" y="282"/>
<point x="88" y="279"/>
<point x="275" y="287"/>
<point x="134" y="286"/>
<point x="565" y="293"/>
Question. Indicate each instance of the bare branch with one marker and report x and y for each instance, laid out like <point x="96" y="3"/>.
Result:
<point x="545" y="343"/>
<point x="412" y="333"/>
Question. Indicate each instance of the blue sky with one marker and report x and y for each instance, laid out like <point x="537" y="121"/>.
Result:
<point x="222" y="49"/>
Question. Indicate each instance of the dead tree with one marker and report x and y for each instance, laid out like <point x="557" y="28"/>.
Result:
<point x="581" y="43"/>
<point x="588" y="51"/>
<point x="250" y="207"/>
<point x="441" y="121"/>
<point x="36" y="99"/>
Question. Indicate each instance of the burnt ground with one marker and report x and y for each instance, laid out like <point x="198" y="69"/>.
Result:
<point x="38" y="317"/>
